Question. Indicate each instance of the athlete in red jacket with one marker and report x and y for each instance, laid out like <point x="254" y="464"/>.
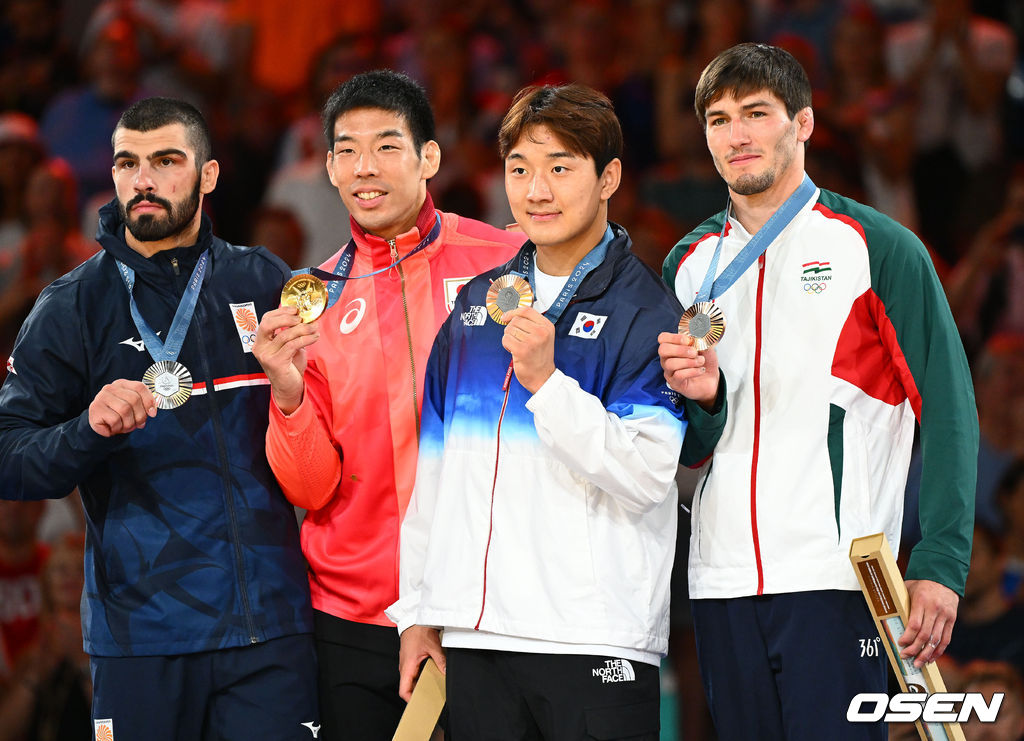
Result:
<point x="347" y="388"/>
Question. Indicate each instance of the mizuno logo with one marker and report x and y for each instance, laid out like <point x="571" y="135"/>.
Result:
<point x="137" y="344"/>
<point x="132" y="342"/>
<point x="313" y="728"/>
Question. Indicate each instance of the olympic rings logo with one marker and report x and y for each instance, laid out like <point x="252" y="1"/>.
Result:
<point x="814" y="287"/>
<point x="248" y="339"/>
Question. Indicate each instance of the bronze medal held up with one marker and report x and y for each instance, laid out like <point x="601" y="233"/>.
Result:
<point x="704" y="323"/>
<point x="506" y="293"/>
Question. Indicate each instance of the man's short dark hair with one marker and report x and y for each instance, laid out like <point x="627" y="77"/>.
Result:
<point x="747" y="68"/>
<point x="152" y="113"/>
<point x="387" y="90"/>
<point x="582" y="118"/>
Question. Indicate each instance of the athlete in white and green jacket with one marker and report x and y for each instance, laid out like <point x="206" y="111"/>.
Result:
<point x="838" y="338"/>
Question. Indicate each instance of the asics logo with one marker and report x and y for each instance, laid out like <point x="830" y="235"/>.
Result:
<point x="353" y="315"/>
<point x="313" y="728"/>
<point x="615" y="670"/>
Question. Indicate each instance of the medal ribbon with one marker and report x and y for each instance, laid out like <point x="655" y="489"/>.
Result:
<point x="170" y="349"/>
<point x="711" y="288"/>
<point x="343" y="267"/>
<point x="590" y="261"/>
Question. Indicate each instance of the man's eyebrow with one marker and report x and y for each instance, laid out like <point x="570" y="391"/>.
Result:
<point x="166" y="152"/>
<point x="760" y="103"/>
<point x="380" y="135"/>
<point x="551" y="156"/>
<point x="125" y="154"/>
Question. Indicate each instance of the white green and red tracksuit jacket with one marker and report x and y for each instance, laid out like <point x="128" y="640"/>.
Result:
<point x="348" y="453"/>
<point x="836" y="340"/>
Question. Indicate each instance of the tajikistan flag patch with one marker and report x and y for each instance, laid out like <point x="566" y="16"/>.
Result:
<point x="588" y="326"/>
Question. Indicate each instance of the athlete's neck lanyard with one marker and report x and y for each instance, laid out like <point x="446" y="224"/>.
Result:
<point x="590" y="261"/>
<point x="712" y="288"/>
<point x="170" y="349"/>
<point x="335" y="278"/>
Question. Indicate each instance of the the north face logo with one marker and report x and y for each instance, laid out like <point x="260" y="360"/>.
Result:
<point x="615" y="670"/>
<point x="475" y="317"/>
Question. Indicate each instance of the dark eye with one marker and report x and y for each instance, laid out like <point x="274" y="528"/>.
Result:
<point x="559" y="169"/>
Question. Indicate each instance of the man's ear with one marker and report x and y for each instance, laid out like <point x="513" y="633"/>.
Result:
<point x="208" y="176"/>
<point x="330" y="167"/>
<point x="610" y="178"/>
<point x="805" y="124"/>
<point x="431" y="156"/>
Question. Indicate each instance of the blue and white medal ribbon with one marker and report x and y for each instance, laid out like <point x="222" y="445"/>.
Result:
<point x="704" y="322"/>
<point x="168" y="380"/>
<point x="307" y="290"/>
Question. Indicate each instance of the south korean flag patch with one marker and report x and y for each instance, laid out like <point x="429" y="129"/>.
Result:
<point x="587" y="326"/>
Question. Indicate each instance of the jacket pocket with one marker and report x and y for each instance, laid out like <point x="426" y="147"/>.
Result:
<point x="638" y="721"/>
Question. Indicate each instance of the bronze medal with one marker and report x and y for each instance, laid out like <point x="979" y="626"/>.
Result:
<point x="307" y="293"/>
<point x="170" y="382"/>
<point x="506" y="293"/>
<point x="704" y="323"/>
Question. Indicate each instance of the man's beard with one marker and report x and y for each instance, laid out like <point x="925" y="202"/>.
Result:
<point x="749" y="185"/>
<point x="151" y="228"/>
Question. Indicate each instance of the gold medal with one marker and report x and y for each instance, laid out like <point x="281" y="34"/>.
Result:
<point x="307" y="293"/>
<point x="507" y="293"/>
<point x="170" y="382"/>
<point x="704" y="323"/>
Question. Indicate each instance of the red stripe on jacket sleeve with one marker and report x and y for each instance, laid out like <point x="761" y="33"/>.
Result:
<point x="869" y="356"/>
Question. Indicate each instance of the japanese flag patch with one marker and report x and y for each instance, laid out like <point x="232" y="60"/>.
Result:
<point x="588" y="326"/>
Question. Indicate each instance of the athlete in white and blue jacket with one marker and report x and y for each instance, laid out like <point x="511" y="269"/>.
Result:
<point x="542" y="526"/>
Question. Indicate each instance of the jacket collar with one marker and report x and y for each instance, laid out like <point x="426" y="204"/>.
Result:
<point x="379" y="249"/>
<point x="110" y="235"/>
<point x="596" y="282"/>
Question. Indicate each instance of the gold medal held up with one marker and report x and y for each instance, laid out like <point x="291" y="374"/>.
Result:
<point x="307" y="293"/>
<point x="704" y="323"/>
<point x="506" y="293"/>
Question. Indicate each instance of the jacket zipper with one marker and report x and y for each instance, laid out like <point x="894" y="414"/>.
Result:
<point x="222" y="455"/>
<point x="494" y="484"/>
<point x="757" y="423"/>
<point x="408" y="337"/>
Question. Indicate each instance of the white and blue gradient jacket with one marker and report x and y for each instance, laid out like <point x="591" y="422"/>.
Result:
<point x="549" y="517"/>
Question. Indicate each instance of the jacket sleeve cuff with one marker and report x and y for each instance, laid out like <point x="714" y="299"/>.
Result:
<point x="703" y="428"/>
<point x="548" y="391"/>
<point x="82" y="438"/>
<point x="938" y="567"/>
<point x="294" y="423"/>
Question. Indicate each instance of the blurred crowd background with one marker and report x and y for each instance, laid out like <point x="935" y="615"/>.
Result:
<point x="919" y="111"/>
